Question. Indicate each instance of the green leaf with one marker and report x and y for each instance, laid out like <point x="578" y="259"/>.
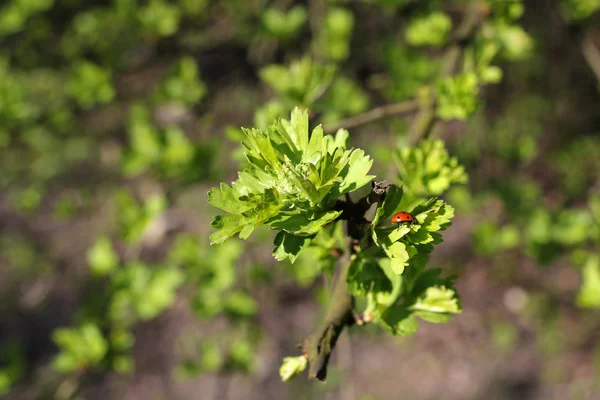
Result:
<point x="141" y="292"/>
<point x="399" y="255"/>
<point x="301" y="224"/>
<point x="212" y="358"/>
<point x="302" y="82"/>
<point x="390" y="204"/>
<point x="269" y="112"/>
<point x="316" y="144"/>
<point x="241" y="355"/>
<point x="291" y="182"/>
<point x="239" y="303"/>
<point x="589" y="292"/>
<point x="345" y="97"/>
<point x="365" y="275"/>
<point x="289" y="246"/>
<point x="579" y="9"/>
<point x="227" y="198"/>
<point x="436" y="304"/>
<point x="159" y="294"/>
<point x="81" y="347"/>
<point x="356" y="177"/>
<point x="182" y="85"/>
<point x="573" y="227"/>
<point x="457" y="96"/>
<point x="333" y="42"/>
<point x="227" y="225"/>
<point x="284" y="24"/>
<point x="292" y="366"/>
<point x="399" y="321"/>
<point x="516" y="43"/>
<point x="123" y="364"/>
<point x="178" y="149"/>
<point x="384" y="298"/>
<point x="102" y="259"/>
<point x="160" y="18"/>
<point x="432" y="29"/>
<point x="143" y="135"/>
<point x="65" y="362"/>
<point x="435" y="218"/>
<point x="294" y="133"/>
<point x="428" y="169"/>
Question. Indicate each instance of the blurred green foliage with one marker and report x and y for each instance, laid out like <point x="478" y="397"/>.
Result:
<point x="428" y="170"/>
<point x="90" y="85"/>
<point x="431" y="30"/>
<point x="81" y="347"/>
<point x="284" y="25"/>
<point x="301" y="83"/>
<point x="13" y="364"/>
<point x="333" y="42"/>
<point x="110" y="119"/>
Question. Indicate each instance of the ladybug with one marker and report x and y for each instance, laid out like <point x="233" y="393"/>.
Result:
<point x="403" y="216"/>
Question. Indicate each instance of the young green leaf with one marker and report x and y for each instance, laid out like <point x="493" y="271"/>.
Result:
<point x="291" y="183"/>
<point x="102" y="259"/>
<point x="292" y="366"/>
<point x="288" y="245"/>
<point x="432" y="29"/>
<point x="428" y="169"/>
<point x="589" y="292"/>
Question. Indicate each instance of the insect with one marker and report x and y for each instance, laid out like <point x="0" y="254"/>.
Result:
<point x="403" y="216"/>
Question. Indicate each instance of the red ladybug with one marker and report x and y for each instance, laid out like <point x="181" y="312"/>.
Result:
<point x="403" y="216"/>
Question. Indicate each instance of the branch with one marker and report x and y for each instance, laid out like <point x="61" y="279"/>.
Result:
<point x="319" y="345"/>
<point x="426" y="120"/>
<point x="402" y="108"/>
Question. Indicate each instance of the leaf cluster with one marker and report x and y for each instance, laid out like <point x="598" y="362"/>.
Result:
<point x="428" y="169"/>
<point x="333" y="42"/>
<point x="392" y="276"/>
<point x="291" y="184"/>
<point x="284" y="25"/>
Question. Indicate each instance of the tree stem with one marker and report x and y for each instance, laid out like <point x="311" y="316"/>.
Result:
<point x="319" y="345"/>
<point x="402" y="108"/>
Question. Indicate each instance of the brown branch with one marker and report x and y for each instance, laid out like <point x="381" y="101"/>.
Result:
<point x="388" y="110"/>
<point x="319" y="345"/>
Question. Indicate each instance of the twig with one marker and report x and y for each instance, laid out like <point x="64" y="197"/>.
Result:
<point x="591" y="54"/>
<point x="463" y="34"/>
<point x="426" y="120"/>
<point x="319" y="345"/>
<point x="405" y="107"/>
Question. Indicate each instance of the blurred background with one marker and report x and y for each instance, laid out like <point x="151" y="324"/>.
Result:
<point x="117" y="117"/>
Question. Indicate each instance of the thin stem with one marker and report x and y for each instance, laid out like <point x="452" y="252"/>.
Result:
<point x="319" y="345"/>
<point x="388" y="110"/>
<point x="426" y="120"/>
